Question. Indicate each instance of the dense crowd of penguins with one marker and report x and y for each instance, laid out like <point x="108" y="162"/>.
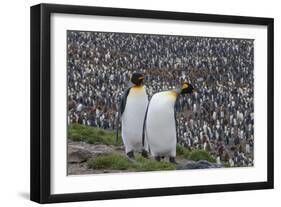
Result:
<point x="218" y="118"/>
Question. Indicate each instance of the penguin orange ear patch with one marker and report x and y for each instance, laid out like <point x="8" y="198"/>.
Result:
<point x="184" y="86"/>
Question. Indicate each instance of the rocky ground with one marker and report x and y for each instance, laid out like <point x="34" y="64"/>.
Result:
<point x="80" y="152"/>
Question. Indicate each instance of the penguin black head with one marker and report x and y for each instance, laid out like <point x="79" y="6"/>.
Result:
<point x="187" y="88"/>
<point x="137" y="78"/>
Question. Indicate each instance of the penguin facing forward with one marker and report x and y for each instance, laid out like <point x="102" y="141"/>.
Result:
<point x="132" y="109"/>
<point x="160" y="125"/>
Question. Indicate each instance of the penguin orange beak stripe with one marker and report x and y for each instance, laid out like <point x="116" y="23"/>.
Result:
<point x="140" y="78"/>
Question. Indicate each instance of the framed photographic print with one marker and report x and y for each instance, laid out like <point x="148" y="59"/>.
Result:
<point x="133" y="103"/>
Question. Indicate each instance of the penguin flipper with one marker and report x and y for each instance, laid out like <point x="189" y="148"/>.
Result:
<point x="175" y="116"/>
<point x="124" y="100"/>
<point x="121" y="109"/>
<point x="144" y="125"/>
<point x="117" y="127"/>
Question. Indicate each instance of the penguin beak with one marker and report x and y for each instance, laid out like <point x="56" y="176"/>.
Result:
<point x="141" y="78"/>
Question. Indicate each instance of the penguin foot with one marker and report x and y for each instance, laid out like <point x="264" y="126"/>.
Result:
<point x="131" y="154"/>
<point x="172" y="160"/>
<point x="157" y="158"/>
<point x="144" y="154"/>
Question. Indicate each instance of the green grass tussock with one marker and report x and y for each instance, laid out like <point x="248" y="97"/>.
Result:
<point x="182" y="151"/>
<point x="197" y="155"/>
<point x="92" y="135"/>
<point x="121" y="162"/>
<point x="194" y="154"/>
<point x="111" y="162"/>
<point x="153" y="165"/>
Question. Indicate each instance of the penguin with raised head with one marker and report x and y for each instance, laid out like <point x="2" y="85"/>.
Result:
<point x="132" y="109"/>
<point x="160" y="125"/>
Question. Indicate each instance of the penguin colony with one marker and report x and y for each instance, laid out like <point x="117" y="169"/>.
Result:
<point x="149" y="126"/>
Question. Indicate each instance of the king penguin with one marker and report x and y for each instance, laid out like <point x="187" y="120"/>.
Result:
<point x="132" y="109"/>
<point x="160" y="123"/>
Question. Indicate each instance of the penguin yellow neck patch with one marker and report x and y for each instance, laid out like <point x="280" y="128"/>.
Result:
<point x="184" y="86"/>
<point x="138" y="87"/>
<point x="172" y="93"/>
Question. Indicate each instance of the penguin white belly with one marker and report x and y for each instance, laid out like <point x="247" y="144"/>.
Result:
<point x="161" y="125"/>
<point x="133" y="119"/>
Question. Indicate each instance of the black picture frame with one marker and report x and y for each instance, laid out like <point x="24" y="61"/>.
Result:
<point x="41" y="96"/>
